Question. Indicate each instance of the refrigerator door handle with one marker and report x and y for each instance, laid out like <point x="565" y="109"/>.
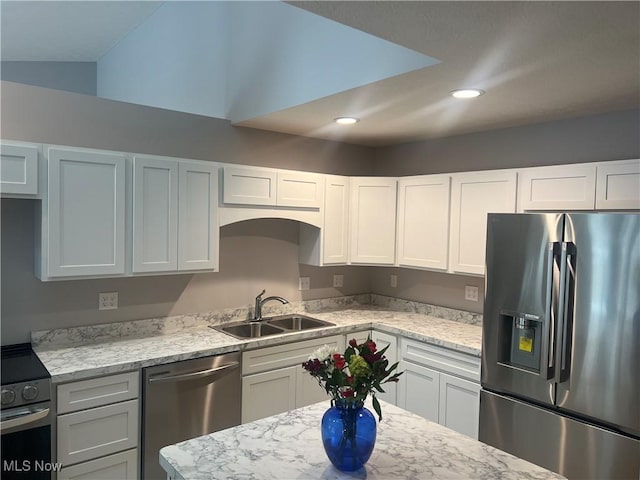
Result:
<point x="553" y="280"/>
<point x="565" y="311"/>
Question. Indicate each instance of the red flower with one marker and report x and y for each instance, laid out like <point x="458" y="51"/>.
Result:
<point x="348" y="393"/>
<point x="338" y="361"/>
<point x="372" y="346"/>
<point x="353" y="343"/>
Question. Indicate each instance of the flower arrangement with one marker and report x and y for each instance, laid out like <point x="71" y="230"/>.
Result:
<point x="350" y="376"/>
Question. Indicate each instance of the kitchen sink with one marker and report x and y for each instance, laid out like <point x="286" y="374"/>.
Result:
<point x="271" y="326"/>
<point x="250" y="329"/>
<point x="297" y="322"/>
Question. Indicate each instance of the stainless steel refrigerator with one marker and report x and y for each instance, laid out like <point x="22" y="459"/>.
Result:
<point x="561" y="342"/>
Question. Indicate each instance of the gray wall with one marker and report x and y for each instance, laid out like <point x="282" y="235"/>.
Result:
<point x="78" y="77"/>
<point x="611" y="136"/>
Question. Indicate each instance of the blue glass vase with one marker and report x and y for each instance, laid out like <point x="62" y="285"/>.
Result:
<point x="348" y="435"/>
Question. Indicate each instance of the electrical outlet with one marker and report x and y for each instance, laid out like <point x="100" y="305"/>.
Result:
<point x="338" y="281"/>
<point x="304" y="283"/>
<point x="471" y="293"/>
<point x="108" y="301"/>
<point x="394" y="281"/>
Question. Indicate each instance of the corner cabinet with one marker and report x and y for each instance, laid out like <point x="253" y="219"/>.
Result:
<point x="440" y="385"/>
<point x="274" y="381"/>
<point x="372" y="220"/>
<point x="423" y="221"/>
<point x="83" y="214"/>
<point x="473" y="196"/>
<point x="19" y="169"/>
<point x="175" y="226"/>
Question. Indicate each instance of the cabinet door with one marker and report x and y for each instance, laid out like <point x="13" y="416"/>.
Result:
<point x="308" y="391"/>
<point x="383" y="340"/>
<point x="473" y="196"/>
<point x="155" y="214"/>
<point x="562" y="187"/>
<point x="85" y="213"/>
<point x="419" y="390"/>
<point x="249" y="186"/>
<point x="618" y="185"/>
<point x="373" y="220"/>
<point x="198" y="230"/>
<point x="459" y="405"/>
<point x="18" y="168"/>
<point x="96" y="432"/>
<point x="335" y="230"/>
<point x="268" y="393"/>
<point x="121" y="466"/>
<point x="423" y="221"/>
<point x="299" y="189"/>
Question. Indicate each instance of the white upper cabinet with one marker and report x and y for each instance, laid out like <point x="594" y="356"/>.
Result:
<point x="175" y="224"/>
<point x="329" y="243"/>
<point x="335" y="232"/>
<point x="198" y="229"/>
<point x="18" y="168"/>
<point x="473" y="196"/>
<point x="618" y="185"/>
<point x="281" y="188"/>
<point x="249" y="186"/>
<point x="299" y="189"/>
<point x="83" y="214"/>
<point x="155" y="214"/>
<point x="562" y="187"/>
<point x="423" y="221"/>
<point x="373" y="220"/>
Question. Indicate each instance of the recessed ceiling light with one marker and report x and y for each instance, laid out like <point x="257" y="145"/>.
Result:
<point x="467" y="93"/>
<point x="346" y="120"/>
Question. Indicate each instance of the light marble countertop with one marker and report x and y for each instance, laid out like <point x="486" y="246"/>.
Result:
<point x="86" y="352"/>
<point x="288" y="446"/>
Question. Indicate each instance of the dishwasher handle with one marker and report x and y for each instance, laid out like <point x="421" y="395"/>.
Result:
<point x="215" y="373"/>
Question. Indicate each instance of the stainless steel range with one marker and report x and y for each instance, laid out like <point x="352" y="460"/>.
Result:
<point x="26" y="414"/>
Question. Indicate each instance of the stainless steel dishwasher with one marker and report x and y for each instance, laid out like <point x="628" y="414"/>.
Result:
<point x="187" y="399"/>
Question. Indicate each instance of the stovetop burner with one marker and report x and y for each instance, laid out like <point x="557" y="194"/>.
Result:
<point x="25" y="380"/>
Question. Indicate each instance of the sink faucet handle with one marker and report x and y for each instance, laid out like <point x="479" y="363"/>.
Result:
<point x="260" y="294"/>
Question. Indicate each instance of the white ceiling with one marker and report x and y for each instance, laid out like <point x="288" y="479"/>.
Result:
<point x="537" y="61"/>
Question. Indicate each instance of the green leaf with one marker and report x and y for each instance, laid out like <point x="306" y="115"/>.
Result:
<point x="376" y="407"/>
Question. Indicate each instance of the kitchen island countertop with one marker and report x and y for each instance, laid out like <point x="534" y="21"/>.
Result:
<point x="288" y="446"/>
<point x="82" y="354"/>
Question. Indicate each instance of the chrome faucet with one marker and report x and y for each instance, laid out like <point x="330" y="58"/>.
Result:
<point x="257" y="312"/>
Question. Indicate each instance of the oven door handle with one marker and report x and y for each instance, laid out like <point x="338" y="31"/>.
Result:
<point x="30" y="417"/>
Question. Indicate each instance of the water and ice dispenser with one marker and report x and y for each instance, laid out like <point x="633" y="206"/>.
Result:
<point x="520" y="340"/>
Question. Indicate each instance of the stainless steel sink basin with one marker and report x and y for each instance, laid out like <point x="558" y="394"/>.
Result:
<point x="297" y="322"/>
<point x="250" y="330"/>
<point x="272" y="326"/>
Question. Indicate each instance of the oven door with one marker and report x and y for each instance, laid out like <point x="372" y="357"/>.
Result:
<point x="26" y="442"/>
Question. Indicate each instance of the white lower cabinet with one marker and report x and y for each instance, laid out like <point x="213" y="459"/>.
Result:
<point x="274" y="381"/>
<point x="97" y="430"/>
<point x="440" y="385"/>
<point x="121" y="466"/>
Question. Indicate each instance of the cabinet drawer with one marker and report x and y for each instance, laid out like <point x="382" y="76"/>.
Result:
<point x="445" y="360"/>
<point x="18" y="168"/>
<point x="97" y="392"/>
<point x="123" y="466"/>
<point x="270" y="358"/>
<point x="97" y="432"/>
